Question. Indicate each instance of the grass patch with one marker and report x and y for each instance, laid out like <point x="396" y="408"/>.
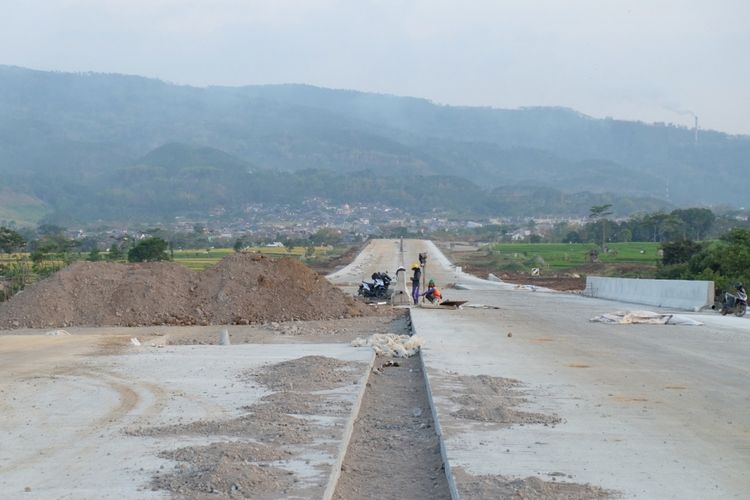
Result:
<point x="564" y="256"/>
<point x="199" y="260"/>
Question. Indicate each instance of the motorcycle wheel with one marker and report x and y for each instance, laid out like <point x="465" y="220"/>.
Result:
<point x="740" y="310"/>
<point x="724" y="311"/>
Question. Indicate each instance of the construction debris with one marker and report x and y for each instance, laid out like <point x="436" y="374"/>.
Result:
<point x="644" y="317"/>
<point x="390" y="344"/>
<point x="57" y="333"/>
<point x="456" y="304"/>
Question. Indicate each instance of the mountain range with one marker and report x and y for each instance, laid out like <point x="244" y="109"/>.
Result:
<point x="88" y="146"/>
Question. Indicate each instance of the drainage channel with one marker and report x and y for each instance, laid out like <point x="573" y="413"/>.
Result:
<point x="394" y="451"/>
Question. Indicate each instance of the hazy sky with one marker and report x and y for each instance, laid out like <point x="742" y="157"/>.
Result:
<point x="653" y="60"/>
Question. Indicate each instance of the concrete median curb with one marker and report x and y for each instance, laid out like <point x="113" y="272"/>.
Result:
<point x="333" y="478"/>
<point x="438" y="429"/>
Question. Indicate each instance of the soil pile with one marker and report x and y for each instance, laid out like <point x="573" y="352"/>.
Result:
<point x="244" y="288"/>
<point x="241" y="289"/>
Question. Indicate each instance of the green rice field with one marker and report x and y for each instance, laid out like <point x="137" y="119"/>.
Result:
<point x="563" y="255"/>
<point x="199" y="260"/>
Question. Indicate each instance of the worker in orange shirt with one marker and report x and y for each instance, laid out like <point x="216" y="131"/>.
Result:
<point x="432" y="293"/>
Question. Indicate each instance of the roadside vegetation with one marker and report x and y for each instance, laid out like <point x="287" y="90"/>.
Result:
<point x="561" y="266"/>
<point x="568" y="256"/>
<point x="691" y="243"/>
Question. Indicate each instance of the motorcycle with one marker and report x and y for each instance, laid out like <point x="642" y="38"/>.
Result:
<point x="734" y="304"/>
<point x="378" y="288"/>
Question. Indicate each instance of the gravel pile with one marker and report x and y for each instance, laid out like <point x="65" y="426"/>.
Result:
<point x="241" y="289"/>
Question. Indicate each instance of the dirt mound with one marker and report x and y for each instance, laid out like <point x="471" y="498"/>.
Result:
<point x="241" y="289"/>
<point x="559" y="281"/>
<point x="244" y="288"/>
<point x="309" y="373"/>
<point x="203" y="475"/>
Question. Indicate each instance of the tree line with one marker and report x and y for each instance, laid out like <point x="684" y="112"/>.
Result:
<point x="695" y="243"/>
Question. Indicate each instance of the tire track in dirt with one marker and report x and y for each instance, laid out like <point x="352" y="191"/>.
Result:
<point x="128" y="394"/>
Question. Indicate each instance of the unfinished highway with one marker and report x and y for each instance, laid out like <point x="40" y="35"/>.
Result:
<point x="524" y="387"/>
<point x="516" y="395"/>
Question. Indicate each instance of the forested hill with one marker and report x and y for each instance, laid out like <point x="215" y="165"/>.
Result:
<point x="63" y="134"/>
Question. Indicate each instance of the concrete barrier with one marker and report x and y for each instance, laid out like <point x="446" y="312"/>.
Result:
<point x="678" y="294"/>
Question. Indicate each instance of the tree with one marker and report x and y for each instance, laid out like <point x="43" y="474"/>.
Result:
<point x="115" y="252"/>
<point x="725" y="261"/>
<point x="679" y="252"/>
<point x="599" y="213"/>
<point x="50" y="230"/>
<point x="325" y="236"/>
<point x="666" y="226"/>
<point x="94" y="255"/>
<point x="37" y="257"/>
<point x="57" y="244"/>
<point x="88" y="244"/>
<point x="10" y="240"/>
<point x="572" y="237"/>
<point x="149" y="250"/>
<point x="696" y="221"/>
<point x="237" y="245"/>
<point x="736" y="258"/>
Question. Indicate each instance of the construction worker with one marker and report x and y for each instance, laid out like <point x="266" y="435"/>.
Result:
<point x="432" y="293"/>
<point x="415" y="282"/>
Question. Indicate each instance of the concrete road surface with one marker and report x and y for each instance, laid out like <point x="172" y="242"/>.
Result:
<point x="72" y="415"/>
<point x="648" y="411"/>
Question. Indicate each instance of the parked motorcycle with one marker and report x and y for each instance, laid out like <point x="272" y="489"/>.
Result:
<point x="378" y="288"/>
<point x="734" y="303"/>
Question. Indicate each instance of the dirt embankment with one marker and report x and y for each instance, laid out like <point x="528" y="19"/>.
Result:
<point x="563" y="282"/>
<point x="241" y="289"/>
<point x="572" y="280"/>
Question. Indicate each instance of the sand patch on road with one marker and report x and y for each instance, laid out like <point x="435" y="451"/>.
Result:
<point x="496" y="399"/>
<point x="261" y="424"/>
<point x="277" y="429"/>
<point x="470" y="486"/>
<point x="295" y="403"/>
<point x="225" y="470"/>
<point x="309" y="373"/>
